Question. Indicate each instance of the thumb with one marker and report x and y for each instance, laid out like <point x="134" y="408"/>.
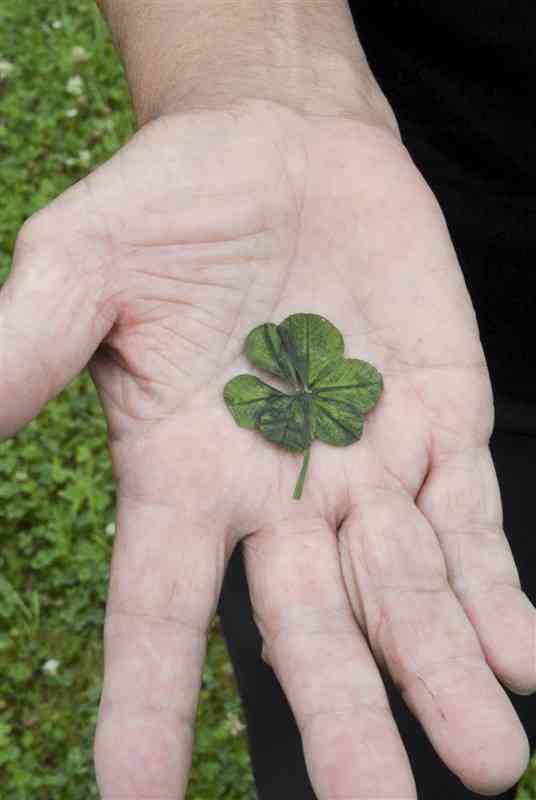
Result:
<point x="54" y="308"/>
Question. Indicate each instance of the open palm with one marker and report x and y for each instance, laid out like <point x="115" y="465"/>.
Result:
<point x="153" y="269"/>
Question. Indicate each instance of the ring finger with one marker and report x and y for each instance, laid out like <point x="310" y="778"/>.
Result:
<point x="395" y="572"/>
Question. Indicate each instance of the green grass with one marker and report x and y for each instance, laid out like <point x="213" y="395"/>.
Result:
<point x="64" y="108"/>
<point x="56" y="510"/>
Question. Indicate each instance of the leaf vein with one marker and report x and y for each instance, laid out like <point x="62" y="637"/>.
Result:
<point x="338" y="422"/>
<point x="319" y="389"/>
<point x="255" y="400"/>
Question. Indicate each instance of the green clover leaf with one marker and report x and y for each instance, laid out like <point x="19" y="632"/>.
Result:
<point x="331" y="393"/>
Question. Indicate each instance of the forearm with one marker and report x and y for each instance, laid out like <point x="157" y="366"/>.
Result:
<point x="184" y="53"/>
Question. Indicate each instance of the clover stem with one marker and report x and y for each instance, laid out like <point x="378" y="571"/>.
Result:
<point x="301" y="477"/>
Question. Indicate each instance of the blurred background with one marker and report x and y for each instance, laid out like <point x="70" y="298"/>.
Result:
<point x="64" y="109"/>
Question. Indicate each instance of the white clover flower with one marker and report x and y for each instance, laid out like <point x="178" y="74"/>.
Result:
<point x="6" y="68"/>
<point x="21" y="475"/>
<point x="57" y="24"/>
<point x="70" y="162"/>
<point x="50" y="667"/>
<point x="80" y="53"/>
<point x="110" y="529"/>
<point x="234" y="725"/>
<point x="107" y="124"/>
<point x="75" y="85"/>
<point x="71" y="112"/>
<point x="85" y="157"/>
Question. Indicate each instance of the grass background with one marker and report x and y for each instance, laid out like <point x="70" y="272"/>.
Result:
<point x="64" y="108"/>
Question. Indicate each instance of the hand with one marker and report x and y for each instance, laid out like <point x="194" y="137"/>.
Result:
<point x="202" y="226"/>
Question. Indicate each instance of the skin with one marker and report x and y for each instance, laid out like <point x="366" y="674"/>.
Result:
<point x="154" y="268"/>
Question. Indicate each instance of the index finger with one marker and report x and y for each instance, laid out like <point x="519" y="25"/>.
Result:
<point x="165" y="580"/>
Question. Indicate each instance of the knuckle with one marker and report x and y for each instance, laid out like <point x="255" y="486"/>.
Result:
<point x="310" y="526"/>
<point x="341" y="716"/>
<point x="305" y="630"/>
<point x="35" y="228"/>
<point x="436" y="677"/>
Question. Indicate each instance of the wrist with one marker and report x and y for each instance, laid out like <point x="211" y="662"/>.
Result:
<point x="305" y="54"/>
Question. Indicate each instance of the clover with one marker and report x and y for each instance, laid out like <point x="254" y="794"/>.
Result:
<point x="331" y="393"/>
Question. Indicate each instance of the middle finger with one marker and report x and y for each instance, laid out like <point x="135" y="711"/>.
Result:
<point x="351" y="744"/>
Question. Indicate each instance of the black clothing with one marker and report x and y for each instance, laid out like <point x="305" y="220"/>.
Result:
<point x="274" y="738"/>
<point x="458" y="76"/>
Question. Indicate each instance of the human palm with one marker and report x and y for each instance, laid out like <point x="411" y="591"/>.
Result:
<point x="154" y="269"/>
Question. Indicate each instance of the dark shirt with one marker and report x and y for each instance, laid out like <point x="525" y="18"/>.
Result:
<point x="458" y="76"/>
